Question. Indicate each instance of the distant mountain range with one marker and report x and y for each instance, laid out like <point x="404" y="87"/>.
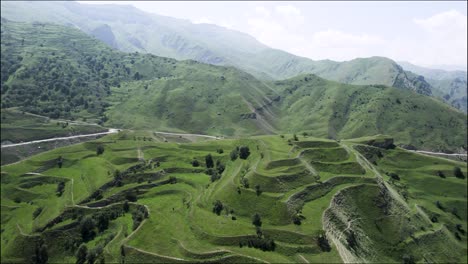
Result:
<point x="60" y="71"/>
<point x="130" y="29"/>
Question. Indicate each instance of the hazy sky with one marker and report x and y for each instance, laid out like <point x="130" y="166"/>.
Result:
<point x="424" y="33"/>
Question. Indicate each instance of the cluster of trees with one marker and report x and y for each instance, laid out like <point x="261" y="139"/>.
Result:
<point x="71" y="76"/>
<point x="214" y="172"/>
<point x="242" y="152"/>
<point x="41" y="255"/>
<point x="83" y="254"/>
<point x="138" y="216"/>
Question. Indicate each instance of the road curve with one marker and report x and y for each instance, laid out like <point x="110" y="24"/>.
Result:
<point x="182" y="134"/>
<point x="438" y="153"/>
<point x="110" y="131"/>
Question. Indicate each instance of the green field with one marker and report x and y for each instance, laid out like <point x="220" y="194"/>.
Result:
<point x="318" y="200"/>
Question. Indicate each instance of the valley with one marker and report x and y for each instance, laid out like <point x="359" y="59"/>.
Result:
<point x="133" y="137"/>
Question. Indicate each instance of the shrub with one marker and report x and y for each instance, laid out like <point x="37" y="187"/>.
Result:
<point x="60" y="162"/>
<point x="60" y="188"/>
<point x="209" y="161"/>
<point x="458" y="173"/>
<point x="244" y="152"/>
<point x="245" y="182"/>
<point x="257" y="190"/>
<point x="195" y="163"/>
<point x="323" y="243"/>
<point x="440" y="174"/>
<point x="99" y="149"/>
<point x="218" y="207"/>
<point x="131" y="196"/>
<point x="394" y="176"/>
<point x="234" y="154"/>
<point x="220" y="151"/>
<point x="81" y="254"/>
<point x="87" y="226"/>
<point x="257" y="220"/>
<point x="295" y="137"/>
<point x="37" y="212"/>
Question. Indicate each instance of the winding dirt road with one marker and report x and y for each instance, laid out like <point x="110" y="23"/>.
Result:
<point x="111" y="131"/>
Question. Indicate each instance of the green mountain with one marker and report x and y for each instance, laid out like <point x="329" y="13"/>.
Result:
<point x="61" y="72"/>
<point x="274" y="200"/>
<point x="451" y="86"/>
<point x="130" y="29"/>
<point x="56" y="71"/>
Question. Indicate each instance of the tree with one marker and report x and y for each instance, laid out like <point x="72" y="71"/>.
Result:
<point x="441" y="174"/>
<point x="256" y="220"/>
<point x="458" y="173"/>
<point x="195" y="163"/>
<point x="218" y="207"/>
<point x="234" y="153"/>
<point x="99" y="149"/>
<point x="137" y="76"/>
<point x="81" y="254"/>
<point x="245" y="182"/>
<point x="41" y="255"/>
<point x="257" y="190"/>
<point x="131" y="196"/>
<point x="126" y="207"/>
<point x="60" y="188"/>
<point x="209" y="161"/>
<point x="87" y="226"/>
<point x="244" y="152"/>
<point x="60" y="162"/>
<point x="102" y="222"/>
<point x="295" y="137"/>
<point x="323" y="243"/>
<point x="394" y="176"/>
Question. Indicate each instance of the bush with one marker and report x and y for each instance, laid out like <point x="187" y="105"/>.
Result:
<point x="81" y="254"/>
<point x="458" y="173"/>
<point x="394" y="176"/>
<point x="234" y="154"/>
<point x="218" y="207"/>
<point x="220" y="151"/>
<point x="323" y="243"/>
<point x="131" y="196"/>
<point x="195" y="163"/>
<point x="209" y="161"/>
<point x="257" y="190"/>
<point x="99" y="149"/>
<point x="440" y="174"/>
<point x="60" y="188"/>
<point x="37" y="212"/>
<point x="245" y="182"/>
<point x="87" y="226"/>
<point x="244" y="152"/>
<point x="60" y="162"/>
<point x="257" y="220"/>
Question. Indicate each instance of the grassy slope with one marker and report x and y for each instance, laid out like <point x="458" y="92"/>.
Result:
<point x="330" y="109"/>
<point x="181" y="223"/>
<point x="194" y="97"/>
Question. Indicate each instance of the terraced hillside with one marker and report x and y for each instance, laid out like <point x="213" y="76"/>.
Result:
<point x="131" y="197"/>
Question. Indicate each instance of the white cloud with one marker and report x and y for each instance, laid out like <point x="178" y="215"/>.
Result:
<point x="288" y="10"/>
<point x="443" y="21"/>
<point x="336" y="39"/>
<point x="444" y="39"/>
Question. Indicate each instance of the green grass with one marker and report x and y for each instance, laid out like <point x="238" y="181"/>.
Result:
<point x="181" y="222"/>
